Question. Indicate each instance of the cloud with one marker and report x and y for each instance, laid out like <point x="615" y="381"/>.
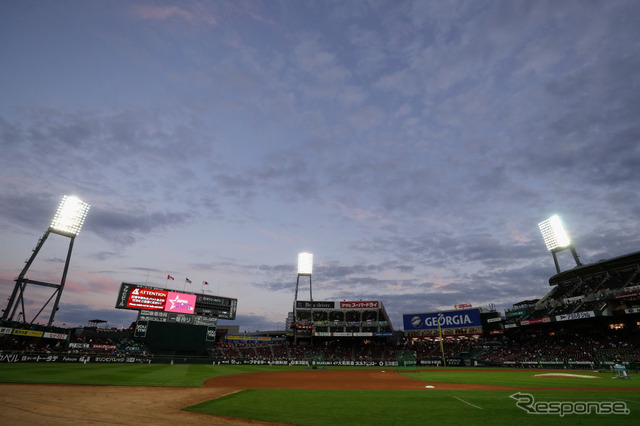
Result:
<point x="190" y="12"/>
<point x="413" y="146"/>
<point x="80" y="315"/>
<point x="122" y="227"/>
<point x="253" y="322"/>
<point x="28" y="210"/>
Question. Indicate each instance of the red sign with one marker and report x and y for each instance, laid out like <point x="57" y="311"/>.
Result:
<point x="466" y="305"/>
<point x="622" y="296"/>
<point x="105" y="347"/>
<point x="144" y="298"/>
<point x="359" y="305"/>
<point x="535" y="321"/>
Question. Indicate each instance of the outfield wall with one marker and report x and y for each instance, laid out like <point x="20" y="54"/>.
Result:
<point x="8" y="358"/>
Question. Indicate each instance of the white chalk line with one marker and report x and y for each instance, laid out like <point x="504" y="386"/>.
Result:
<point x="468" y="403"/>
<point x="624" y="400"/>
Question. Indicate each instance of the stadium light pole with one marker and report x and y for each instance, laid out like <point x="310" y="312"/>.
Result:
<point x="305" y="269"/>
<point x="556" y="239"/>
<point x="444" y="360"/>
<point x="67" y="222"/>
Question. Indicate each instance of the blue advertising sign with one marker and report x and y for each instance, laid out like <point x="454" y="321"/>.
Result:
<point x="448" y="319"/>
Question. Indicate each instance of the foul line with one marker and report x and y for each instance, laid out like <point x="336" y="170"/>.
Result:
<point x="625" y="400"/>
<point x="468" y="403"/>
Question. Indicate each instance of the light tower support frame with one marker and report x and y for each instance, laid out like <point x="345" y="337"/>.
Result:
<point x="574" y="253"/>
<point x="295" y="306"/>
<point x="16" y="300"/>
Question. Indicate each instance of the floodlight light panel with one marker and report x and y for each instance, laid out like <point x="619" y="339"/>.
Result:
<point x="70" y="216"/>
<point x="554" y="234"/>
<point x="305" y="263"/>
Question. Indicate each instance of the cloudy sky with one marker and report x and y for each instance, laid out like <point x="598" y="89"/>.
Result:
<point x="412" y="146"/>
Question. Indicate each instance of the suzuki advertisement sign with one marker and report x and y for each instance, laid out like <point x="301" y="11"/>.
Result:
<point x="460" y="318"/>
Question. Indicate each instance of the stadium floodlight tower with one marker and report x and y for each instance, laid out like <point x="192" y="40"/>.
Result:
<point x="556" y="239"/>
<point x="305" y="269"/>
<point x="67" y="222"/>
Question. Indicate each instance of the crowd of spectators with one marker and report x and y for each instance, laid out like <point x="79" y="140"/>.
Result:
<point x="594" y="293"/>
<point x="564" y="348"/>
<point x="81" y="341"/>
<point x="561" y="347"/>
<point x="338" y="350"/>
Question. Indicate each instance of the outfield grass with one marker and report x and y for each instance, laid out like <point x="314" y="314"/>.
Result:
<point x="180" y="375"/>
<point x="338" y="407"/>
<point x="346" y="407"/>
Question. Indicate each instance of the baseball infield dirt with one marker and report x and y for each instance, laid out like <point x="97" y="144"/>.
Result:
<point x="27" y="404"/>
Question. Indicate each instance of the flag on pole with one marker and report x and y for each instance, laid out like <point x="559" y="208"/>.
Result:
<point x="188" y="280"/>
<point x="205" y="282"/>
<point x="169" y="277"/>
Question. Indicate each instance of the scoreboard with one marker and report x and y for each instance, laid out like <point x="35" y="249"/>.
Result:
<point x="177" y="304"/>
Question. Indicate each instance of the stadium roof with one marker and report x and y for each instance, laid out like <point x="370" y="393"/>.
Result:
<point x="627" y="261"/>
<point x="526" y="302"/>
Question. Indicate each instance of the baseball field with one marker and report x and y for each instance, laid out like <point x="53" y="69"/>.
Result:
<point x="163" y="394"/>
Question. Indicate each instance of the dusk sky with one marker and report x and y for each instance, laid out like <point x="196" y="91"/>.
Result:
<point x="412" y="146"/>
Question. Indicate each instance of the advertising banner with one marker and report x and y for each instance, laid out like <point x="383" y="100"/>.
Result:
<point x="141" y="329"/>
<point x="360" y="305"/>
<point x="49" y="358"/>
<point x="59" y="336"/>
<point x="207" y="321"/>
<point x="222" y="307"/>
<point x="302" y="304"/>
<point x="180" y="303"/>
<point x="624" y="296"/>
<point x="123" y="296"/>
<point x="575" y="299"/>
<point x="447" y="319"/>
<point x="214" y="300"/>
<point x="144" y="298"/>
<point x="6" y="330"/>
<point x="104" y="346"/>
<point x="244" y="338"/>
<point x="575" y="316"/>
<point x="161" y="300"/>
<point x="533" y="321"/>
<point x="153" y="316"/>
<point x="31" y="333"/>
<point x="211" y="334"/>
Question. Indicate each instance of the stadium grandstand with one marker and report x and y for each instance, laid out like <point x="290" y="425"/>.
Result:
<point x="589" y="318"/>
